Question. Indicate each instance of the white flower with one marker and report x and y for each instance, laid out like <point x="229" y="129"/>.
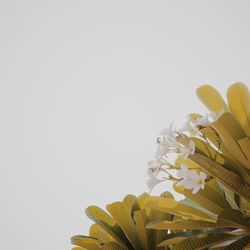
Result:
<point x="190" y="179"/>
<point x="195" y="123"/>
<point x="153" y="181"/>
<point x="154" y="168"/>
<point x="202" y="121"/>
<point x="153" y="164"/>
<point x="167" y="143"/>
<point x="169" y="132"/>
<point x="198" y="181"/>
<point x="188" y="126"/>
<point x="184" y="174"/>
<point x="189" y="149"/>
<point x="161" y="151"/>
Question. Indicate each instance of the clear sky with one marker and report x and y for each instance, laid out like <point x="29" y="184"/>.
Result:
<point x="86" y="86"/>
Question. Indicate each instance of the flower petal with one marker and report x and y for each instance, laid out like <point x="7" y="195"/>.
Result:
<point x="193" y="175"/>
<point x="203" y="176"/>
<point x="180" y="183"/>
<point x="189" y="184"/>
<point x="196" y="189"/>
<point x="183" y="172"/>
<point x="152" y="182"/>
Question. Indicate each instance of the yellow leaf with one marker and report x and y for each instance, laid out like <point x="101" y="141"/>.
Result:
<point x="98" y="232"/>
<point x="108" y="223"/>
<point x="234" y="218"/>
<point x="131" y="203"/>
<point x="123" y="217"/>
<point x="208" y="198"/>
<point x="177" y="208"/>
<point x="239" y="243"/>
<point x="141" y="199"/>
<point x="157" y="236"/>
<point x="245" y="146"/>
<point x="186" y="161"/>
<point x="79" y="248"/>
<point x="211" y="98"/>
<point x="113" y="246"/>
<point x="228" y="178"/>
<point x="230" y="132"/>
<point x="181" y="225"/>
<point x="141" y="220"/>
<point x="86" y="242"/>
<point x="171" y="241"/>
<point x="203" y="241"/>
<point x="239" y="103"/>
<point x="206" y="149"/>
<point x="213" y="137"/>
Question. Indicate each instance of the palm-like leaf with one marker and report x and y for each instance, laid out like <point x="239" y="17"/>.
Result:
<point x="123" y="227"/>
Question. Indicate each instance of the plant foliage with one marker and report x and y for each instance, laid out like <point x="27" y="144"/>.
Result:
<point x="216" y="217"/>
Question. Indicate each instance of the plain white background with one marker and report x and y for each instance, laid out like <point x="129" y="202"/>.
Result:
<point x="85" y="87"/>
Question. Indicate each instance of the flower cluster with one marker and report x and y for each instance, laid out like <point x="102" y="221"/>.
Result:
<point x="196" y="122"/>
<point x="177" y="142"/>
<point x="167" y="143"/>
<point x="190" y="179"/>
